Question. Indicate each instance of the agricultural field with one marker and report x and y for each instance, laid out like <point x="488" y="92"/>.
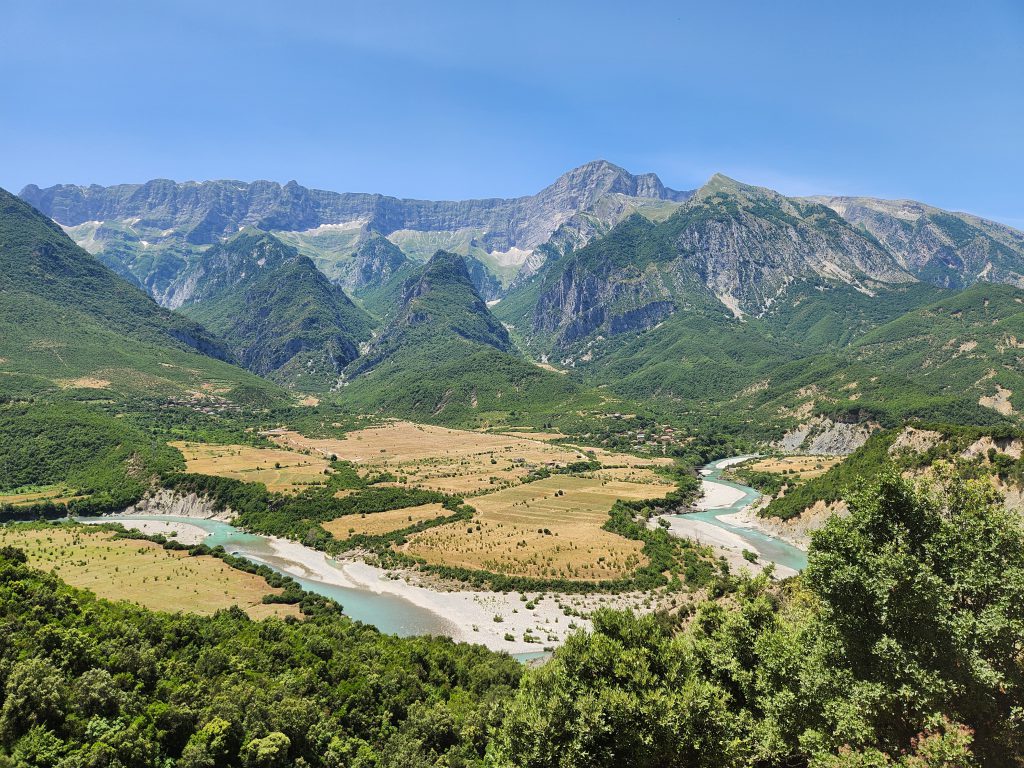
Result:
<point x="34" y="494"/>
<point x="550" y="528"/>
<point x="802" y="467"/>
<point x="451" y="460"/>
<point x="142" y="572"/>
<point x="380" y="523"/>
<point x="282" y="471"/>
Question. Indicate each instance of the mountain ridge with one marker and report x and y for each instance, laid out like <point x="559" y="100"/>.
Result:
<point x="151" y="231"/>
<point x="73" y="324"/>
<point x="282" y="316"/>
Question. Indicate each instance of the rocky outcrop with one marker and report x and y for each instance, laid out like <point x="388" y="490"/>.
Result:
<point x="824" y="437"/>
<point x="796" y="530"/>
<point x="606" y="299"/>
<point x="912" y="440"/>
<point x="167" y="502"/>
<point x="979" y="449"/>
<point x="487" y="285"/>
<point x="375" y="261"/>
<point x="730" y="247"/>
<point x="944" y="248"/>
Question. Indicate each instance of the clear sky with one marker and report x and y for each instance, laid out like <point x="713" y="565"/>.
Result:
<point x="484" y="99"/>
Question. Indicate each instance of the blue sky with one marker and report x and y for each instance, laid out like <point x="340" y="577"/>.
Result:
<point x="479" y="99"/>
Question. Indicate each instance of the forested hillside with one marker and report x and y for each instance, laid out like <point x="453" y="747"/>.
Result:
<point x="72" y="324"/>
<point x="446" y="358"/>
<point x="282" y="318"/>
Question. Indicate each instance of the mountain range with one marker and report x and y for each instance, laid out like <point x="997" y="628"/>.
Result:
<point x="151" y="231"/>
<point x="728" y="301"/>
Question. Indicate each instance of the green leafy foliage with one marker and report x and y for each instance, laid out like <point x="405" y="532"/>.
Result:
<point x="105" y="460"/>
<point x="87" y="682"/>
<point x="899" y="646"/>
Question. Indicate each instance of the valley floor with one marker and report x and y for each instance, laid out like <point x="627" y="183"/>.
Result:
<point x="513" y="622"/>
<point x="497" y="620"/>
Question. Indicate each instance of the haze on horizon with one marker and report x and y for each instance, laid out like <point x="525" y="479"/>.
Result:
<point x="460" y="100"/>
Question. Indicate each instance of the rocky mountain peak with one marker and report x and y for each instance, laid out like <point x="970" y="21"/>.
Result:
<point x="719" y="183"/>
<point x="581" y="187"/>
<point x="444" y="272"/>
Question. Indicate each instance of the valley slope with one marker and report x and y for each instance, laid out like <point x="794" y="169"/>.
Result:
<point x="72" y="324"/>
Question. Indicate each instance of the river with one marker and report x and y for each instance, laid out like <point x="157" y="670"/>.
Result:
<point x="388" y="612"/>
<point x="769" y="548"/>
<point x="395" y="614"/>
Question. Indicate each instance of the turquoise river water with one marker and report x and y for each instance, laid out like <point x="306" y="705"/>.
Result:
<point x="768" y="547"/>
<point x="389" y="613"/>
<point x="395" y="615"/>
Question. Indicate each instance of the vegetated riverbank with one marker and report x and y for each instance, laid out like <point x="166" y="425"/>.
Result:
<point x="410" y="603"/>
<point x="722" y="520"/>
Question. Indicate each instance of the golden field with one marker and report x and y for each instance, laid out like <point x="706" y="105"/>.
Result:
<point x="803" y="467"/>
<point x="550" y="528"/>
<point x="450" y="460"/>
<point x="142" y="572"/>
<point x="379" y="523"/>
<point x="280" y="470"/>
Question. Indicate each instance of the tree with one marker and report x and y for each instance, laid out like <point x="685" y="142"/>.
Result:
<point x="33" y="696"/>
<point x="212" y="746"/>
<point x="269" y="752"/>
<point x="623" y="695"/>
<point x="922" y="615"/>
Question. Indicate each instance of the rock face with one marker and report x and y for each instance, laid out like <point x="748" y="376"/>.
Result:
<point x="207" y="211"/>
<point x="824" y="437"/>
<point x="729" y="246"/>
<point x="171" y="219"/>
<point x="952" y="250"/>
<point x="375" y="261"/>
<point x="165" y="502"/>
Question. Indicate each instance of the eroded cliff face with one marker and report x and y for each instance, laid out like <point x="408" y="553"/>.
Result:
<point x="729" y="246"/>
<point x="165" y="502"/>
<point x="944" y="248"/>
<point x="583" y="302"/>
<point x="824" y="437"/>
